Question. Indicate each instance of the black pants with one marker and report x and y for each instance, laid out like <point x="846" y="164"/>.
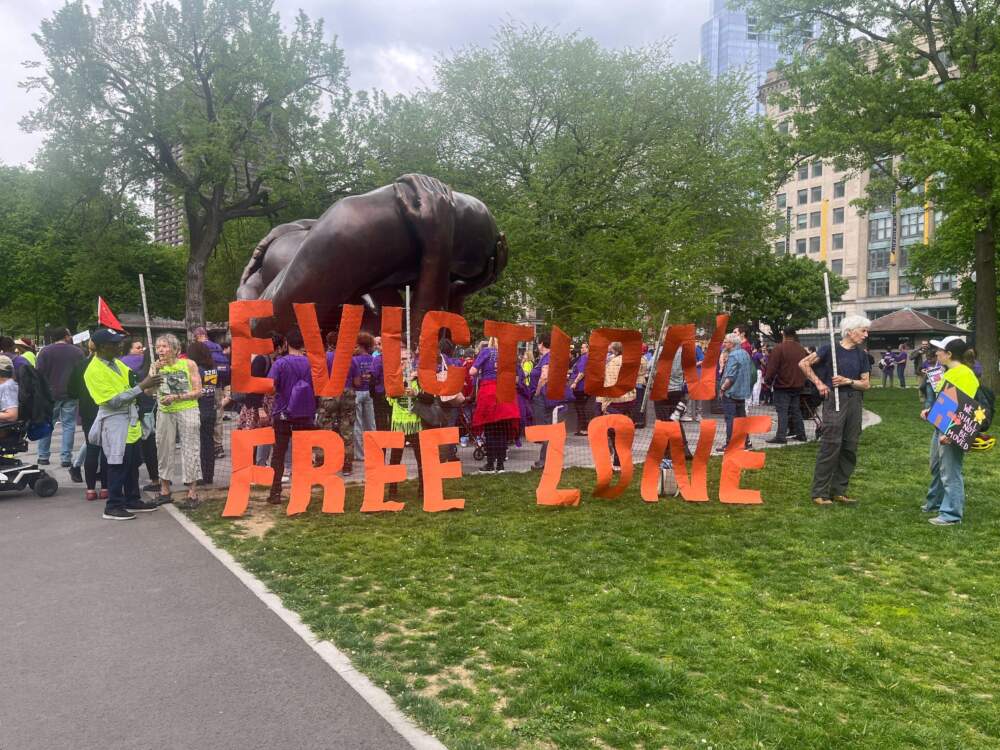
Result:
<point x="283" y="430"/>
<point x="206" y="438"/>
<point x="383" y="412"/>
<point x="495" y="434"/>
<point x="95" y="467"/>
<point x="638" y="415"/>
<point x="584" y="409"/>
<point x="665" y="409"/>
<point x="149" y="457"/>
<point x="123" y="479"/>
<point x="396" y="455"/>
<point x="787" y="405"/>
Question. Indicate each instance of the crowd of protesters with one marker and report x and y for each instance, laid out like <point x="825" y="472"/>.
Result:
<point x="164" y="408"/>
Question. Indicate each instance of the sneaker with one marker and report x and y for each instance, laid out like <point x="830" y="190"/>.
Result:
<point x="43" y="462"/>
<point x="103" y="494"/>
<point x="800" y="438"/>
<point x="775" y="441"/>
<point x="140" y="506"/>
<point x="118" y="514"/>
<point x="488" y="469"/>
<point x="91" y="495"/>
<point x="203" y="483"/>
<point x="500" y="469"/>
<point x="163" y="499"/>
<point x="152" y="487"/>
<point x="538" y="465"/>
<point x="220" y="453"/>
<point x="75" y="474"/>
<point x="66" y="464"/>
<point x="274" y="499"/>
<point x="942" y="521"/>
<point x="925" y="509"/>
<point x="347" y="471"/>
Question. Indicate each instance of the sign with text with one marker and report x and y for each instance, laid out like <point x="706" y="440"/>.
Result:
<point x="958" y="416"/>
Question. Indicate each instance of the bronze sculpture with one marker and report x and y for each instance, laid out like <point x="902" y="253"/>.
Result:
<point x="367" y="248"/>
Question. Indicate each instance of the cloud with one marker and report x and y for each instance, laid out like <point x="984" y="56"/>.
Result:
<point x="389" y="44"/>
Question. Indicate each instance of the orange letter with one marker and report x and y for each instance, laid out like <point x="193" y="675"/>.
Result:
<point x="597" y="433"/>
<point x="245" y="472"/>
<point x="737" y="458"/>
<point x="305" y="475"/>
<point x="600" y="340"/>
<point x="392" y="321"/>
<point x="507" y="335"/>
<point x="378" y="474"/>
<point x="329" y="383"/>
<point x="245" y="345"/>
<point x="430" y="355"/>
<point x="558" y="364"/>
<point x="548" y="492"/>
<point x="669" y="434"/>
<point x="435" y="472"/>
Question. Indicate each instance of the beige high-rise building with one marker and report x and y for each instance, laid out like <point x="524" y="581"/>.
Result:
<point x="868" y="250"/>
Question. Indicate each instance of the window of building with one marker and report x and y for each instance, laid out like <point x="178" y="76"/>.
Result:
<point x="837" y="266"/>
<point x="912" y="225"/>
<point x="804" y="172"/>
<point x="876" y="314"/>
<point x="879" y="229"/>
<point x="946" y="314"/>
<point x="837" y="241"/>
<point x="838" y="216"/>
<point x="944" y="283"/>
<point x="814" y="220"/>
<point x="801" y="220"/>
<point x="838" y="189"/>
<point x="902" y="258"/>
<point x="814" y="244"/>
<point x="801" y="197"/>
<point x="816" y="194"/>
<point x="800" y="246"/>
<point x="817" y="169"/>
<point x="782" y="202"/>
<point x="779" y="247"/>
<point x="878" y="287"/>
<point x="905" y="285"/>
<point x="838" y="318"/>
<point x="878" y="259"/>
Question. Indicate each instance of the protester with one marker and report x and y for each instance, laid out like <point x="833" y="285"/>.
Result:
<point x="255" y="408"/>
<point x="7" y="349"/>
<point x="405" y="420"/>
<point x="138" y="361"/>
<point x="786" y="379"/>
<point x="367" y="372"/>
<point x="624" y="404"/>
<point x="582" y="402"/>
<point x="969" y="359"/>
<point x="900" y="358"/>
<point x="638" y="414"/>
<point x="380" y="404"/>
<point x="177" y="415"/>
<point x="838" y="445"/>
<point x="737" y="383"/>
<point x="498" y="421"/>
<point x="294" y="404"/>
<point x="8" y="390"/>
<point x="26" y="348"/>
<point x="198" y="353"/>
<point x="692" y="410"/>
<point x="117" y="429"/>
<point x="544" y="410"/>
<point x="946" y="494"/>
<point x="338" y="413"/>
<point x="55" y="363"/>
<point x="91" y="459"/>
<point x="887" y="364"/>
<point x="222" y="369"/>
<point x="672" y="408"/>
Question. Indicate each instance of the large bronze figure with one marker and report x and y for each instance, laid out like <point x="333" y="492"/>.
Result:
<point x="367" y="248"/>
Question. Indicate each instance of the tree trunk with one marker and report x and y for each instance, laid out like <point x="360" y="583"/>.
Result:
<point x="986" y="302"/>
<point x="202" y="244"/>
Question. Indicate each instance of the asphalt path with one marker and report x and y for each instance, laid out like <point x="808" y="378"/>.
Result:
<point x="132" y="635"/>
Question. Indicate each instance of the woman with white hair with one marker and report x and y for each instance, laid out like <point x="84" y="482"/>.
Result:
<point x="177" y="414"/>
<point x="838" y="444"/>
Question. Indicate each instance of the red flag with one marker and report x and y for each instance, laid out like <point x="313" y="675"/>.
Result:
<point x="105" y="317"/>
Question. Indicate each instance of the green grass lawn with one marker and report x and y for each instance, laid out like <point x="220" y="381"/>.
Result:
<point x="671" y="625"/>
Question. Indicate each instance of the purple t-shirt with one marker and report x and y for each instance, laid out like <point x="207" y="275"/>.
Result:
<point x="352" y="370"/>
<point x="286" y="372"/>
<point x="486" y="364"/>
<point x="579" y="367"/>
<point x="367" y="372"/>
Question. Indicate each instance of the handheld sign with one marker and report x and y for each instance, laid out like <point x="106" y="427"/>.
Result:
<point x="958" y="416"/>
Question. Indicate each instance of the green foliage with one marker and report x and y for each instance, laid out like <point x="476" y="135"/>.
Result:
<point x="211" y="97"/>
<point x="60" y="250"/>
<point x="626" y="624"/>
<point x="917" y="81"/>
<point x="778" y="291"/>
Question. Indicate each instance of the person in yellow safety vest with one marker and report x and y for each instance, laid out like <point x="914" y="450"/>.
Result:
<point x="117" y="429"/>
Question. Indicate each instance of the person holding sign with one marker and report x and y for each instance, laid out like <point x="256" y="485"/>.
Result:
<point x="946" y="495"/>
<point x="838" y="444"/>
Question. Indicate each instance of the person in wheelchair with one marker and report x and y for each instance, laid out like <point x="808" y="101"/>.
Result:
<point x="8" y="394"/>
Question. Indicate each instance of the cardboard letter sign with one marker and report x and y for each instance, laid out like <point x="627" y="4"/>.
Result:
<point x="548" y="492"/>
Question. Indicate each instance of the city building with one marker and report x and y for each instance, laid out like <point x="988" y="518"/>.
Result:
<point x="730" y="40"/>
<point x="168" y="216"/>
<point x="869" y="250"/>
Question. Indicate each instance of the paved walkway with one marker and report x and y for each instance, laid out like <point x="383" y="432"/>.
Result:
<point x="132" y="636"/>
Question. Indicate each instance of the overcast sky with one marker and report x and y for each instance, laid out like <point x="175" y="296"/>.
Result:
<point x="389" y="44"/>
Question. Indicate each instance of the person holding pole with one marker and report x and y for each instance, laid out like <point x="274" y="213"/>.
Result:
<point x="846" y="377"/>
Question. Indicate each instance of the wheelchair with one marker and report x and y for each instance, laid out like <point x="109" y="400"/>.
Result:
<point x="15" y="474"/>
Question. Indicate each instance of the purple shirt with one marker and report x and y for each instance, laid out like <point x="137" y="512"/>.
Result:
<point x="286" y="372"/>
<point x="486" y="364"/>
<point x="134" y="361"/>
<point x="352" y="370"/>
<point x="579" y="367"/>
<point x="367" y="372"/>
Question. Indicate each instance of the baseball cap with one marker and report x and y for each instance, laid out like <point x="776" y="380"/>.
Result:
<point x="26" y="343"/>
<point x="107" y="336"/>
<point x="6" y="365"/>
<point x="943" y="343"/>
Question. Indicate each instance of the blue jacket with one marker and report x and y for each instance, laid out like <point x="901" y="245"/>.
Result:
<point x="738" y="368"/>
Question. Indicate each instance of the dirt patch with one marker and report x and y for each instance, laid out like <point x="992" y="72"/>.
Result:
<point x="258" y="524"/>
<point x="450" y="676"/>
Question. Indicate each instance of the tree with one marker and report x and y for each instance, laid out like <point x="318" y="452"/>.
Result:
<point x="778" y="291"/>
<point x="623" y="180"/>
<point x="210" y="97"/>
<point x="915" y="81"/>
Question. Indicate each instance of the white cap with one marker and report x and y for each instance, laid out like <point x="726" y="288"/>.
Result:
<point x="943" y="343"/>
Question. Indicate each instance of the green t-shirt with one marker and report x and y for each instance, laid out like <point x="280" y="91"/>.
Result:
<point x="176" y="379"/>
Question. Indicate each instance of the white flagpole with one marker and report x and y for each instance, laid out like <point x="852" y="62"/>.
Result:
<point x="651" y="375"/>
<point x="833" y="342"/>
<point x="145" y="314"/>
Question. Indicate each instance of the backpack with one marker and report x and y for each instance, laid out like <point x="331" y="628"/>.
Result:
<point x="986" y="399"/>
<point x="302" y="401"/>
<point x="35" y="404"/>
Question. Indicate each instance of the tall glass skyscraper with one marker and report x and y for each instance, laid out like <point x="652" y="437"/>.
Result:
<point x="730" y="40"/>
